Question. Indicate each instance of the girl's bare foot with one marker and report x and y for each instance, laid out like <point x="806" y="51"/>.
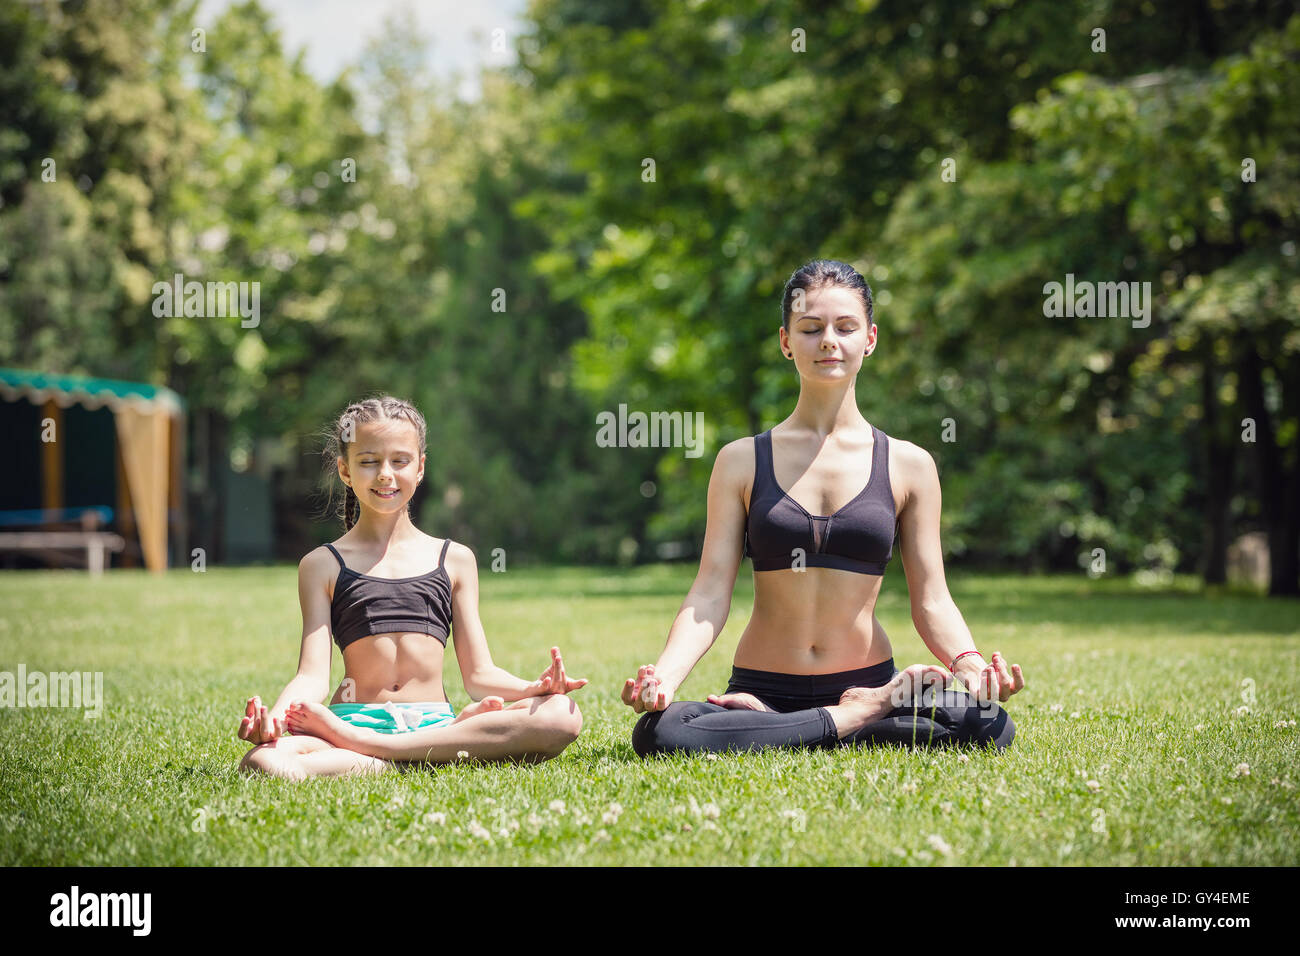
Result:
<point x="739" y="702"/>
<point x="484" y="706"/>
<point x="317" y="720"/>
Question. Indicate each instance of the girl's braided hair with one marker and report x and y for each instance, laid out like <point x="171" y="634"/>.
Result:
<point x="343" y="434"/>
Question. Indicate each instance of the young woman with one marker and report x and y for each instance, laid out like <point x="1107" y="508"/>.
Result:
<point x="390" y="596"/>
<point x="814" y="668"/>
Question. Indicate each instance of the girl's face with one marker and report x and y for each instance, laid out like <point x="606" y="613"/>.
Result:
<point x="383" y="464"/>
<point x="831" y="336"/>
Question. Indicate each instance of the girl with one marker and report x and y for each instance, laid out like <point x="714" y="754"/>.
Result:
<point x="373" y="592"/>
<point x="814" y="668"/>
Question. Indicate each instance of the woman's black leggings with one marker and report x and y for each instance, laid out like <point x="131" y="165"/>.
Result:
<point x="931" y="718"/>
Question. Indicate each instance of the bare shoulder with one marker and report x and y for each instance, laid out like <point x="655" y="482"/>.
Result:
<point x="735" y="462"/>
<point x="317" y="562"/>
<point x="911" y="467"/>
<point x="460" y="561"/>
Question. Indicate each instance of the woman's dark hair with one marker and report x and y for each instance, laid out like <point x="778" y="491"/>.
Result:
<point x="343" y="433"/>
<point x="822" y="272"/>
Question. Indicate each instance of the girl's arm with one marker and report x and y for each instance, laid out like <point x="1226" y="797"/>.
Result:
<point x="481" y="676"/>
<point x="934" y="612"/>
<point x="704" y="611"/>
<point x="311" y="682"/>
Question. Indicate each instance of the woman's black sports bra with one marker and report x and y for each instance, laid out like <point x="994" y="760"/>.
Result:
<point x="780" y="535"/>
<point x="364" y="605"/>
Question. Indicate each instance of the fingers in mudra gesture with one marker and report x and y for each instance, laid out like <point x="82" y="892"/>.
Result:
<point x="257" y="726"/>
<point x="645" y="691"/>
<point x="997" y="681"/>
<point x="554" y="680"/>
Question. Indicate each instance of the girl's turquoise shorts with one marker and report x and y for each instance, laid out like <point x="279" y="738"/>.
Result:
<point x="396" y="717"/>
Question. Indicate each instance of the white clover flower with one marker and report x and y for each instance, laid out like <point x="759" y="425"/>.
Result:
<point x="939" y="843"/>
<point x="1057" y="708"/>
<point x="462" y="754"/>
<point x="850" y="776"/>
<point x="946" y="806"/>
<point x="1093" y="785"/>
<point x="600" y="837"/>
<point x="1180" y="760"/>
<point x="711" y="756"/>
<point x="1241" y="770"/>
<point x="962" y="758"/>
<point x="534" y="820"/>
<point x="909" y="787"/>
<point x="708" y="825"/>
<point x="1241" y="711"/>
<point x="556" y="806"/>
<point x="1199" y="727"/>
<point x="477" y="829"/>
<point x="1226" y="800"/>
<point x="435" y="819"/>
<point x="1075" y="715"/>
<point x="711" y="810"/>
<point x="609" y="816"/>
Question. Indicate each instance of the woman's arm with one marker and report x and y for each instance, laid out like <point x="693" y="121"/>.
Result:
<point x="481" y="676"/>
<point x="934" y="612"/>
<point x="708" y="602"/>
<point x="311" y="682"/>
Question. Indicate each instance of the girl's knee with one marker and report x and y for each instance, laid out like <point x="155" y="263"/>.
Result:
<point x="559" y="721"/>
<point x="266" y="759"/>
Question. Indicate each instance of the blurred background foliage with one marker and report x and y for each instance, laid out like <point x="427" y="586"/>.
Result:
<point x="1071" y="433"/>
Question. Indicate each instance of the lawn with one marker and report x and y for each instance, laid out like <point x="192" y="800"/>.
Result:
<point x="1153" y="731"/>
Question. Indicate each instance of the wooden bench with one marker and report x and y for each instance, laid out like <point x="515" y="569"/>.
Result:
<point x="55" y="544"/>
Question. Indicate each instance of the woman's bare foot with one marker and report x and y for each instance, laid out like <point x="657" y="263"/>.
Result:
<point x="860" y="706"/>
<point x="484" y="706"/>
<point x="306" y="717"/>
<point x="739" y="702"/>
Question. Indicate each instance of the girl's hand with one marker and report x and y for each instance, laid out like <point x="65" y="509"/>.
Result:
<point x="554" y="680"/>
<point x="258" y="726"/>
<point x="996" y="682"/>
<point x="646" y="692"/>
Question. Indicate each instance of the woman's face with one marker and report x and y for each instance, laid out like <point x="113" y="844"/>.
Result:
<point x="831" y="336"/>
<point x="384" y="464"/>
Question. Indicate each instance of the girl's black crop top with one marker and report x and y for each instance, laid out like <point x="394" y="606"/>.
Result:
<point x="781" y="535"/>
<point x="365" y="605"/>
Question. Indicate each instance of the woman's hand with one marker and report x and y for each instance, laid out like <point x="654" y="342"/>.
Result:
<point x="554" y="680"/>
<point x="646" y="692"/>
<point x="994" y="681"/>
<point x="258" y="726"/>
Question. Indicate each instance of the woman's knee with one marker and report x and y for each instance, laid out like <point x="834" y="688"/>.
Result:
<point x="659" y="731"/>
<point x="990" y="725"/>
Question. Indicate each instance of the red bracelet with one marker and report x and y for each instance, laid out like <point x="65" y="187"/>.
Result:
<point x="953" y="666"/>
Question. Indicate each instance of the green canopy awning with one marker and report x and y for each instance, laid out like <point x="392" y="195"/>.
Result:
<point x="149" y="424"/>
<point x="66" y="390"/>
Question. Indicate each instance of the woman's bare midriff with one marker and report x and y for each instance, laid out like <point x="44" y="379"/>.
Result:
<point x="814" y="621"/>
<point x="396" y="667"/>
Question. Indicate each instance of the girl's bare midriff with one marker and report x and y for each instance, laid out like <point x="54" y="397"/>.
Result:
<point x="814" y="621"/>
<point x="396" y="667"/>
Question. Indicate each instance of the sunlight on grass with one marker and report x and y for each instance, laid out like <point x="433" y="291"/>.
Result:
<point x="1153" y="731"/>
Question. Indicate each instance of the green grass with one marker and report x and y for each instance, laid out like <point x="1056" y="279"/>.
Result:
<point x="1133" y="672"/>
